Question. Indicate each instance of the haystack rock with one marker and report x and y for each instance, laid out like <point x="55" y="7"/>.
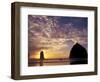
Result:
<point x="78" y="54"/>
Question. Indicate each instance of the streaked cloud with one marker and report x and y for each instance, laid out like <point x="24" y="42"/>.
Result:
<point x="55" y="35"/>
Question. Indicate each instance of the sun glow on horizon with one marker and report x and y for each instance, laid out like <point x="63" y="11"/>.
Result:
<point x="55" y="35"/>
<point x="49" y="55"/>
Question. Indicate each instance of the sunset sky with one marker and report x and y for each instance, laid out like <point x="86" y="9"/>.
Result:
<point x="55" y="35"/>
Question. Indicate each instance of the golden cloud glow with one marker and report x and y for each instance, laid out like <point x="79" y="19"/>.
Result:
<point x="55" y="40"/>
<point x="50" y="54"/>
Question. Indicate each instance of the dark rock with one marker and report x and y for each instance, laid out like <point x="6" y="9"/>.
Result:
<point x="41" y="58"/>
<point x="78" y="54"/>
<point x="41" y="55"/>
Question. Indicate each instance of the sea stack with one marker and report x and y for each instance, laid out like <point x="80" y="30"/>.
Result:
<point x="78" y="54"/>
<point x="41" y="58"/>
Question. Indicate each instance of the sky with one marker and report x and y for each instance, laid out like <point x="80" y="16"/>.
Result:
<point x="55" y="35"/>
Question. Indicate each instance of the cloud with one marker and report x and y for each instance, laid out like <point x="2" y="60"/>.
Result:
<point x="49" y="33"/>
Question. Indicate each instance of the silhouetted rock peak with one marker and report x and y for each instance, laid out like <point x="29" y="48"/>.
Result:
<point x="78" y="52"/>
<point x="77" y="44"/>
<point x="41" y="55"/>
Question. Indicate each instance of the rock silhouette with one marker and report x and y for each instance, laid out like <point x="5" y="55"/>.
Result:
<point x="78" y="54"/>
<point x="41" y="58"/>
<point x="41" y="55"/>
